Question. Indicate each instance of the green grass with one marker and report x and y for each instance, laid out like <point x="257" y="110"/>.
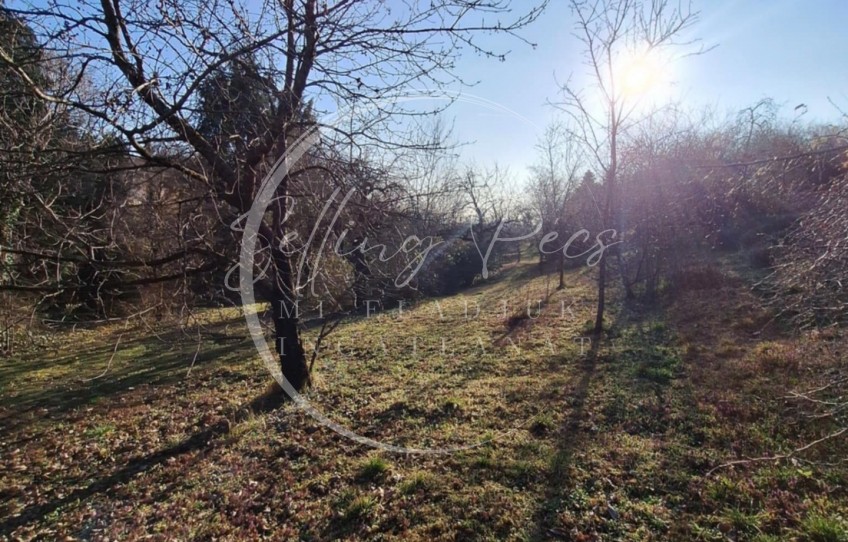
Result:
<point x="359" y="507"/>
<point x="419" y="481"/>
<point x="820" y="528"/>
<point x="373" y="468"/>
<point x="614" y="444"/>
<point x="101" y="431"/>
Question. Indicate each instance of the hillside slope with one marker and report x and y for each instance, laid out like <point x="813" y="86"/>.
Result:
<point x="165" y="438"/>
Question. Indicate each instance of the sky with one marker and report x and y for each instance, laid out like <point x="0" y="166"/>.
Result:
<point x="790" y="50"/>
<point x="794" y="51"/>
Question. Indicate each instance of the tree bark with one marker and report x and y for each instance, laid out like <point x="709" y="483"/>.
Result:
<point x="561" y="270"/>
<point x="609" y="213"/>
<point x="290" y="348"/>
<point x="602" y="286"/>
<point x="286" y="324"/>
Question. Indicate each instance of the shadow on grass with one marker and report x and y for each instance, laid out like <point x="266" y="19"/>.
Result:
<point x="570" y="439"/>
<point x="65" y="352"/>
<point x="522" y="319"/>
<point x="203" y="441"/>
<point x="634" y="360"/>
<point x="161" y="363"/>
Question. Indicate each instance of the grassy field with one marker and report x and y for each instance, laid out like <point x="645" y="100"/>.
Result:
<point x="120" y="433"/>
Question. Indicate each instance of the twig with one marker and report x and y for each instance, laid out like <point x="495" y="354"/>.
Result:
<point x="326" y="329"/>
<point x="108" y="365"/>
<point x="779" y="457"/>
<point x="196" y="353"/>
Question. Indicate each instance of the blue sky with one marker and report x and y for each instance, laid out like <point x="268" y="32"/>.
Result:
<point x="790" y="50"/>
<point x="794" y="51"/>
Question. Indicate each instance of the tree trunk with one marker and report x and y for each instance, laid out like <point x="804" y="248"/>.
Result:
<point x="561" y="270"/>
<point x="286" y="317"/>
<point x="625" y="280"/>
<point x="602" y="265"/>
<point x="609" y="217"/>
<point x="602" y="285"/>
<point x="289" y="346"/>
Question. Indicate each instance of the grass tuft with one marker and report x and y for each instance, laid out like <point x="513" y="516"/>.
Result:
<point x="373" y="468"/>
<point x="360" y="507"/>
<point x="417" y="482"/>
<point x="820" y="528"/>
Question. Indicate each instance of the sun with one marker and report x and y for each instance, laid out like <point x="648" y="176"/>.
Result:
<point x="641" y="73"/>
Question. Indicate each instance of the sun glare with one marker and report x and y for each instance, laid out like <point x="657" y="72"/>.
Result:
<point x="641" y="74"/>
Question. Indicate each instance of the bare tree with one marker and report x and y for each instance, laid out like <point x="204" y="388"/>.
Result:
<point x="137" y="71"/>
<point x="610" y="31"/>
<point x="552" y="183"/>
<point x="491" y="209"/>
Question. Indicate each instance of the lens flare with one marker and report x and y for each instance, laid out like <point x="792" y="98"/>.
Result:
<point x="641" y="73"/>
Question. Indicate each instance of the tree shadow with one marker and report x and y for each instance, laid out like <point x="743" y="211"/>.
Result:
<point x="203" y="441"/>
<point x="161" y="364"/>
<point x="522" y="320"/>
<point x="86" y="375"/>
<point x="633" y="356"/>
<point x="570" y="437"/>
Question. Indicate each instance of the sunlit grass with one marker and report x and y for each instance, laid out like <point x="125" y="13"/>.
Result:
<point x="614" y="445"/>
